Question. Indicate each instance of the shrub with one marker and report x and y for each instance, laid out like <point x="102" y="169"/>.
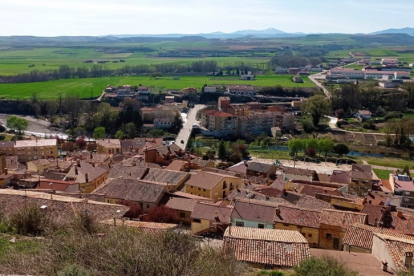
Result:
<point x="324" y="266"/>
<point x="2" y="128"/>
<point x="162" y="214"/>
<point x="74" y="270"/>
<point x="30" y="221"/>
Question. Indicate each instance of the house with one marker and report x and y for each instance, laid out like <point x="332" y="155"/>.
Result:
<point x="253" y="214"/>
<point x="241" y="90"/>
<point x="144" y="93"/>
<point x="172" y="179"/>
<point x="212" y="185"/>
<point x="297" y="79"/>
<point x="163" y="123"/>
<point x="210" y="217"/>
<point x="359" y="237"/>
<point x="183" y="204"/>
<point x="363" y="115"/>
<point x="290" y="173"/>
<point x="333" y="226"/>
<point x="281" y="70"/>
<point x="163" y="155"/>
<point x="127" y="172"/>
<point x="388" y="84"/>
<point x="142" y="193"/>
<point x="239" y="168"/>
<point x="108" y="146"/>
<point x="396" y="252"/>
<point x="403" y="186"/>
<point x="59" y="208"/>
<point x="266" y="248"/>
<point x="189" y="90"/>
<point x="389" y="61"/>
<point x="246" y="77"/>
<point x="38" y="165"/>
<point x="88" y="176"/>
<point x="305" y="221"/>
<point x="361" y="179"/>
<point x="169" y="99"/>
<point x="260" y="169"/>
<point x="293" y="71"/>
<point x="210" y="89"/>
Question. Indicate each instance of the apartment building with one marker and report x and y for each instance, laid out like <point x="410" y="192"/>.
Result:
<point x="242" y="120"/>
<point x="108" y="146"/>
<point x="27" y="150"/>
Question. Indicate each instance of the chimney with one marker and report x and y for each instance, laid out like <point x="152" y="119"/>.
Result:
<point x="86" y="177"/>
<point x="78" y="162"/>
<point x="76" y="170"/>
<point x="408" y="260"/>
<point x="400" y="214"/>
<point x="277" y="211"/>
<point x="216" y="217"/>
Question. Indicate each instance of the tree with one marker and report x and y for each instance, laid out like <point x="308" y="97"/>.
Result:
<point x="341" y="149"/>
<point x="324" y="266"/>
<point x="222" y="151"/>
<point x="81" y="143"/>
<point x="119" y="134"/>
<point x="17" y="123"/>
<point x="406" y="170"/>
<point x="162" y="214"/>
<point x="99" y="133"/>
<point x="130" y="130"/>
<point x="316" y="106"/>
<point x="51" y="109"/>
<point x="326" y="145"/>
<point x="69" y="146"/>
<point x="295" y="145"/>
<point x="105" y="116"/>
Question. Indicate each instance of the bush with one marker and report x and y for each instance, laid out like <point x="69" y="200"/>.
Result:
<point x="74" y="270"/>
<point x="30" y="221"/>
<point x="369" y="125"/>
<point x="324" y="266"/>
<point x="122" y="251"/>
<point x="2" y="128"/>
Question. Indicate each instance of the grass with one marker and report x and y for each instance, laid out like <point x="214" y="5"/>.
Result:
<point x="270" y="154"/>
<point x="382" y="174"/>
<point x="85" y="88"/>
<point x="388" y="162"/>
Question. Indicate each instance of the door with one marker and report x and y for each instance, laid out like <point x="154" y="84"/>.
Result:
<point x="336" y="243"/>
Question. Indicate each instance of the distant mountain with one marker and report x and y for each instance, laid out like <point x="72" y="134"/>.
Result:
<point x="409" y="31"/>
<point x="268" y="33"/>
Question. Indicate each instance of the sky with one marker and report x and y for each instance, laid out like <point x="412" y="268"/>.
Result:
<point x="103" y="17"/>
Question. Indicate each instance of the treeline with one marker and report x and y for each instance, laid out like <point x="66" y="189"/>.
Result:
<point x="353" y="97"/>
<point x="299" y="56"/>
<point x="97" y="71"/>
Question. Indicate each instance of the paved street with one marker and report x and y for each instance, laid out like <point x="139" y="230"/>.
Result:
<point x="185" y="132"/>
<point x="315" y="79"/>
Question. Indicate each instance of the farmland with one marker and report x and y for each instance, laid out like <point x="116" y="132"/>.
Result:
<point x="93" y="86"/>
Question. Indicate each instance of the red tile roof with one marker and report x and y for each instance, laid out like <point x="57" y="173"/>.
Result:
<point x="360" y="235"/>
<point x="181" y="204"/>
<point x="374" y="212"/>
<point x="209" y="211"/>
<point x="283" y="248"/>
<point x="397" y="247"/>
<point x="343" y="219"/>
<point x="207" y="180"/>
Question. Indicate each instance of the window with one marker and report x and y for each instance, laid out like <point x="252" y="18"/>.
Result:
<point x="285" y="224"/>
<point x="310" y="235"/>
<point x="407" y="193"/>
<point x="196" y="220"/>
<point x="191" y="187"/>
<point x="199" y="189"/>
<point x="204" y="190"/>
<point x="147" y="206"/>
<point x="328" y="236"/>
<point x="261" y="226"/>
<point x="240" y="223"/>
<point x="182" y="215"/>
<point x="224" y="185"/>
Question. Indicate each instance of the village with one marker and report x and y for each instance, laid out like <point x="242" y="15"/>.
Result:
<point x="347" y="213"/>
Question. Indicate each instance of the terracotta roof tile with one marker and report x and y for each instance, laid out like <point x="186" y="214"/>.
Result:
<point x="206" y="180"/>
<point x="361" y="235"/>
<point x="127" y="172"/>
<point x="374" y="212"/>
<point x="209" y="211"/>
<point x="397" y="247"/>
<point x="181" y="204"/>
<point x="343" y="219"/>
<point x="132" y="190"/>
<point x="166" y="176"/>
<point x="283" y="248"/>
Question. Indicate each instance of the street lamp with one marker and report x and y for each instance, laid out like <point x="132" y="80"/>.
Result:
<point x="116" y="213"/>
<point x="51" y="190"/>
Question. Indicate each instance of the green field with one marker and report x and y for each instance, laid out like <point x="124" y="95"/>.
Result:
<point x="382" y="174"/>
<point x="379" y="53"/>
<point x="18" y="61"/>
<point x="86" y="88"/>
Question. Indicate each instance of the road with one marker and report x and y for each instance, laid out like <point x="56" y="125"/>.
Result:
<point x="185" y="132"/>
<point x="315" y="78"/>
